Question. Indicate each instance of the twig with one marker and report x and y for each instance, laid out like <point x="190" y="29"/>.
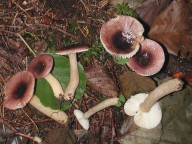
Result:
<point x="26" y="44"/>
<point x="36" y="139"/>
<point x="30" y="119"/>
<point x="57" y="29"/>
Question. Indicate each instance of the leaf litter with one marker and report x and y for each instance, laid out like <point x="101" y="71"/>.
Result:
<point x="46" y="28"/>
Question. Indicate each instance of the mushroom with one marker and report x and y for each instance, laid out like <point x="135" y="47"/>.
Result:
<point x="121" y="36"/>
<point x="59" y="116"/>
<point x="83" y="117"/>
<point x="19" y="90"/>
<point x="145" y="108"/>
<point x="74" y="74"/>
<point x="41" y="67"/>
<point x="149" y="60"/>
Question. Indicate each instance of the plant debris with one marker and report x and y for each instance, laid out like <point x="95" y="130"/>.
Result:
<point x="32" y="27"/>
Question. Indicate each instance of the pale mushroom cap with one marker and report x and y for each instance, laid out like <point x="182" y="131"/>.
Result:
<point x="84" y="122"/>
<point x="149" y="59"/>
<point x="132" y="105"/>
<point x="149" y="119"/>
<point x="19" y="90"/>
<point x="72" y="49"/>
<point x="146" y="120"/>
<point x="121" y="36"/>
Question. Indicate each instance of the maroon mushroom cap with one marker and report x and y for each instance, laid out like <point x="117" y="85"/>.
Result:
<point x="19" y="90"/>
<point x="72" y="49"/>
<point x="41" y="65"/>
<point x="149" y="60"/>
<point x="121" y="36"/>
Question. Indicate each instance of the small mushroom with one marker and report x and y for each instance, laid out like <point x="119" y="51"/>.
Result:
<point x="145" y="108"/>
<point x="41" y="67"/>
<point x="121" y="36"/>
<point x="149" y="60"/>
<point x="19" y="90"/>
<point x="74" y="74"/>
<point x="83" y="117"/>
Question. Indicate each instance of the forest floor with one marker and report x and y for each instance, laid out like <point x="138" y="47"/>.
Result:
<point x="48" y="25"/>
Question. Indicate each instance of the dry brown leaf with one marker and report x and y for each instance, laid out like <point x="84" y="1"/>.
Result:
<point x="132" y="83"/>
<point x="173" y="28"/>
<point x="150" y="9"/>
<point x="99" y="80"/>
<point x="60" y="136"/>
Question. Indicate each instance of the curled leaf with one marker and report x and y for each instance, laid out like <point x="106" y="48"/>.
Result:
<point x="132" y="83"/>
<point x="173" y="27"/>
<point x="99" y="80"/>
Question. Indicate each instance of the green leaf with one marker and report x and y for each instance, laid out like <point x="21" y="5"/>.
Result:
<point x="118" y="104"/>
<point x="62" y="72"/>
<point x="122" y="98"/>
<point x="124" y="9"/>
<point x="121" y="61"/>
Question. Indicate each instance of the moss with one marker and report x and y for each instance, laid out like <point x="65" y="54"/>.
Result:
<point x="124" y="9"/>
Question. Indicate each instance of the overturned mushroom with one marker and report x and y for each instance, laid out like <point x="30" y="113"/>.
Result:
<point x="41" y="67"/>
<point x="74" y="74"/>
<point x="145" y="108"/>
<point x="83" y="117"/>
<point x="121" y="36"/>
<point x="149" y="60"/>
<point x="19" y="90"/>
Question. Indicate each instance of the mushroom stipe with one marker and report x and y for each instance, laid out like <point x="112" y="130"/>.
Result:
<point x="145" y="108"/>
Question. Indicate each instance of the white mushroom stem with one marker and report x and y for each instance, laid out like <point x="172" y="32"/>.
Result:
<point x="161" y="91"/>
<point x="55" y="85"/>
<point x="74" y="78"/>
<point x="104" y="104"/>
<point x="83" y="117"/>
<point x="57" y="115"/>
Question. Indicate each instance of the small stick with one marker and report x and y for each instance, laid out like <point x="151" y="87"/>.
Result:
<point x="30" y="119"/>
<point x="58" y="29"/>
<point x="26" y="44"/>
<point x="36" y="139"/>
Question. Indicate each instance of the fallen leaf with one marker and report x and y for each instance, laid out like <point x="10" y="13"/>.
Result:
<point x="60" y="136"/>
<point x="177" y="117"/>
<point x="143" y="136"/>
<point x="132" y="83"/>
<point x="136" y="135"/>
<point x="99" y="80"/>
<point x="172" y="28"/>
<point x="150" y="9"/>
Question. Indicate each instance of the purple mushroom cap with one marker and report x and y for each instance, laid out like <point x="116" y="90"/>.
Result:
<point x="149" y="60"/>
<point x="19" y="90"/>
<point x="121" y="36"/>
<point x="41" y="65"/>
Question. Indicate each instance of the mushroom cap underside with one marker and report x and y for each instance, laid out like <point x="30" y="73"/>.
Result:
<point x="149" y="120"/>
<point x="146" y="120"/>
<point x="149" y="59"/>
<point x="121" y="36"/>
<point x="19" y="90"/>
<point x="84" y="122"/>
